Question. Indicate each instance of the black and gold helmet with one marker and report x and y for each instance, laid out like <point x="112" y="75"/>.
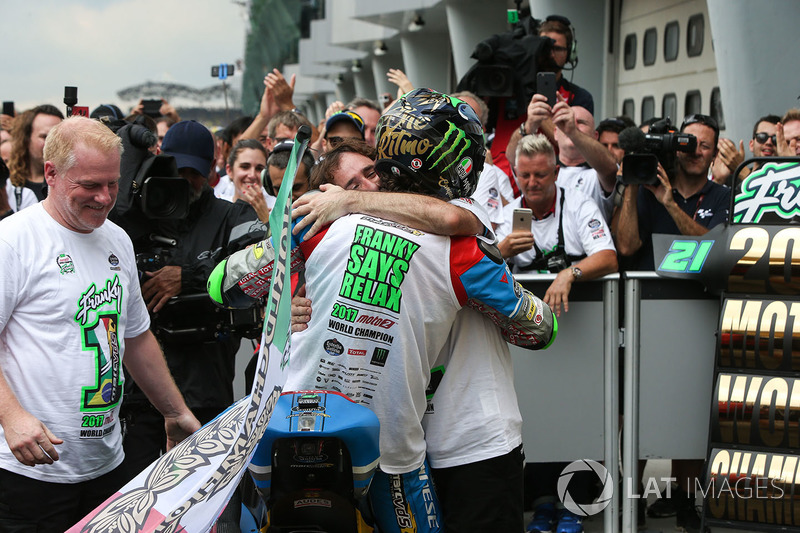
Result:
<point x="433" y="141"/>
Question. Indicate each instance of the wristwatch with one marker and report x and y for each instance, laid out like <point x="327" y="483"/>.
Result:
<point x="576" y="273"/>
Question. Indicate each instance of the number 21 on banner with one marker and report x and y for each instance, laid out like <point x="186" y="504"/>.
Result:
<point x="686" y="256"/>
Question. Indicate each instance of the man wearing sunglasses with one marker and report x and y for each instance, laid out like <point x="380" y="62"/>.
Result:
<point x="763" y="143"/>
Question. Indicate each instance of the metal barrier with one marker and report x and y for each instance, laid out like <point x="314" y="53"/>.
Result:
<point x="669" y="342"/>
<point x="669" y="362"/>
<point x="568" y="412"/>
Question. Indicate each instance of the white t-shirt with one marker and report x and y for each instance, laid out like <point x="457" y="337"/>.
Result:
<point x="385" y="297"/>
<point x="478" y="379"/>
<point x="224" y="188"/>
<point x="493" y="187"/>
<point x="27" y="197"/>
<point x="585" y="229"/>
<point x="68" y="301"/>
<point x="473" y="415"/>
<point x="586" y="180"/>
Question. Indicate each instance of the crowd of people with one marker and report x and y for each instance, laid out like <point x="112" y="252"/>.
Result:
<point x="78" y="292"/>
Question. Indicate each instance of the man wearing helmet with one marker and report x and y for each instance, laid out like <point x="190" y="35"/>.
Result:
<point x="412" y="283"/>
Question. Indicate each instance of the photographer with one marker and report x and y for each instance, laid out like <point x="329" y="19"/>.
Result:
<point x="687" y="203"/>
<point x="201" y="361"/>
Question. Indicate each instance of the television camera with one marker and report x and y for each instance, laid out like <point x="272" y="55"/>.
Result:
<point x="644" y="151"/>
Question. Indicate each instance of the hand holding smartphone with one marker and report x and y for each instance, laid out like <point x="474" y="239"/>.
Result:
<point x="546" y="85"/>
<point x="152" y="107"/>
<point x="522" y="220"/>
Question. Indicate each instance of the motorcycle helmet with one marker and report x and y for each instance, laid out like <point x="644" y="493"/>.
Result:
<point x="431" y="142"/>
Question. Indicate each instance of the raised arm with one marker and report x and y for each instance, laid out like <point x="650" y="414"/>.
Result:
<point x="595" y="154"/>
<point x="626" y="223"/>
<point x="421" y="212"/>
<point x="277" y="97"/>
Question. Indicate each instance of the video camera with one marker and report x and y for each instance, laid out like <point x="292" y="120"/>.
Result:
<point x="149" y="184"/>
<point x="507" y="66"/>
<point x="644" y="151"/>
<point x="193" y="317"/>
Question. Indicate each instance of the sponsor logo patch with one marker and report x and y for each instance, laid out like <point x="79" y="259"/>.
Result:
<point x="65" y="264"/>
<point x="379" y="356"/>
<point x="333" y="347"/>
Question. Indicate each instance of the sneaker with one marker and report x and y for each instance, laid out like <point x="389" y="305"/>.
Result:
<point x="664" y="506"/>
<point x="569" y="522"/>
<point x="544" y="518"/>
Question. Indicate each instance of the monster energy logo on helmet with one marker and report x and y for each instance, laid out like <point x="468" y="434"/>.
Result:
<point x="433" y="140"/>
<point x="448" y="138"/>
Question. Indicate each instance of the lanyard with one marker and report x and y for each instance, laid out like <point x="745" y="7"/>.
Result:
<point x="697" y="207"/>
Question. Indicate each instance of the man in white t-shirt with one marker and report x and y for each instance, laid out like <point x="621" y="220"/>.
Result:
<point x="391" y="376"/>
<point x="568" y="234"/>
<point x="468" y="435"/>
<point x="494" y="189"/>
<point x="70" y="311"/>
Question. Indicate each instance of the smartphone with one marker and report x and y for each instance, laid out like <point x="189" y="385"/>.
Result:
<point x="8" y="108"/>
<point x="546" y="85"/>
<point x="152" y="108"/>
<point x="522" y="220"/>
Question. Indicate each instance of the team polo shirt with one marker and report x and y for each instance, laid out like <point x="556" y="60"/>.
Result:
<point x="708" y="208"/>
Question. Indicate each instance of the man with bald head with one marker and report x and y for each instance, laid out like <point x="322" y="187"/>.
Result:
<point x="585" y="164"/>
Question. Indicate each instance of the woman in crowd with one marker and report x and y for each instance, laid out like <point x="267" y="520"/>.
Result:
<point x="245" y="164"/>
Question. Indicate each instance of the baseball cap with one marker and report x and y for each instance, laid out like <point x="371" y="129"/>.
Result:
<point x="191" y="144"/>
<point x="350" y="117"/>
<point x="107" y="110"/>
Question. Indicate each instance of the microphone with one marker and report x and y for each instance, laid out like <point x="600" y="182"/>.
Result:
<point x="631" y="139"/>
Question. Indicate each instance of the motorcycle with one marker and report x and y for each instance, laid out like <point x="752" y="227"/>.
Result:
<point x="314" y="464"/>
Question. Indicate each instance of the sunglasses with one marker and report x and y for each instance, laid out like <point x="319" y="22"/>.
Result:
<point x="762" y="138"/>
<point x="697" y="118"/>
